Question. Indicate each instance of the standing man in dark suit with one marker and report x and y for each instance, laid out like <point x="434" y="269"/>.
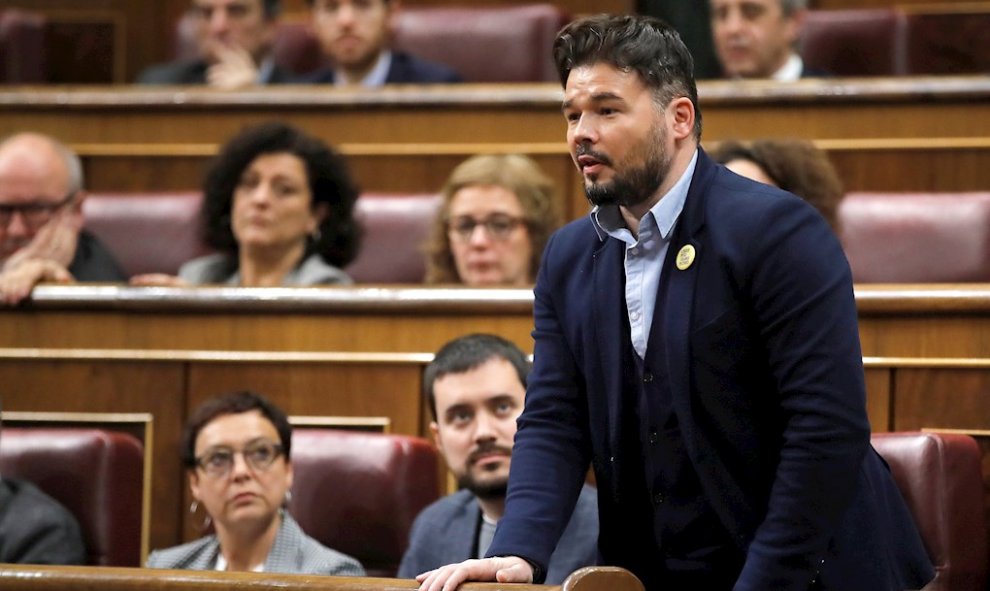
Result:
<point x="757" y="38"/>
<point x="696" y="342"/>
<point x="474" y="388"/>
<point x="234" y="40"/>
<point x="355" y="36"/>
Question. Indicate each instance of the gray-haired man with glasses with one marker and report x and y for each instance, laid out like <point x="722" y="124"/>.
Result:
<point x="41" y="236"/>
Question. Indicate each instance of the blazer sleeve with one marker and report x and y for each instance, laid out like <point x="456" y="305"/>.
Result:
<point x="552" y="448"/>
<point x="801" y="296"/>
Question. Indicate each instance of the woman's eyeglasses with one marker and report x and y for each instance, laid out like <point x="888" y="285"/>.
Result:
<point x="218" y="462"/>
<point x="498" y="226"/>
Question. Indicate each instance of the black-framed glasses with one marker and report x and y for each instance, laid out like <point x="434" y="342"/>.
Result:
<point x="35" y="214"/>
<point x="499" y="226"/>
<point x="218" y="462"/>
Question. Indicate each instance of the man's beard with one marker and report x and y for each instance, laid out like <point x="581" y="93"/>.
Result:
<point x="634" y="186"/>
<point x="488" y="490"/>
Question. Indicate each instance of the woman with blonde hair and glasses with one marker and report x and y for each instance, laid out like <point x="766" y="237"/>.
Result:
<point x="498" y="212"/>
<point x="236" y="452"/>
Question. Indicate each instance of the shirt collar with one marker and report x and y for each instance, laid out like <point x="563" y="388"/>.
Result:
<point x="607" y="219"/>
<point x="376" y="77"/>
<point x="266" y="69"/>
<point x="791" y="70"/>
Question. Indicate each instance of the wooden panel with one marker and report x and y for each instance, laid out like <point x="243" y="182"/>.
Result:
<point x="942" y="398"/>
<point x="100" y="386"/>
<point x="878" y="398"/>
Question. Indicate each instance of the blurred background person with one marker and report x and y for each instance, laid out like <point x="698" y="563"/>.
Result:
<point x="356" y="36"/>
<point x="35" y="528"/>
<point x="278" y="206"/>
<point x="41" y="219"/>
<point x="498" y="212"/>
<point x="794" y="165"/>
<point x="236" y="450"/>
<point x="234" y="41"/>
<point x="475" y="388"/>
<point x="757" y="38"/>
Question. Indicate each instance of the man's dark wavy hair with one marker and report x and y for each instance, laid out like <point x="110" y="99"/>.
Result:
<point x="642" y="44"/>
<point x="329" y="182"/>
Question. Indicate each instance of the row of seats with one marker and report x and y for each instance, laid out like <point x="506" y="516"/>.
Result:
<point x="359" y="492"/>
<point x="354" y="491"/>
<point x="888" y="237"/>
<point x="853" y="42"/>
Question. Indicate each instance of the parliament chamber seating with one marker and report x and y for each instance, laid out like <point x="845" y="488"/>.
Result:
<point x="917" y="237"/>
<point x="939" y="477"/>
<point x="96" y="474"/>
<point x="359" y="492"/>
<point x="22" y="47"/>
<point x="157" y="232"/>
<point x="855" y="42"/>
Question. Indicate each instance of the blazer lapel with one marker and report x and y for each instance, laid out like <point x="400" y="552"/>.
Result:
<point x="609" y="315"/>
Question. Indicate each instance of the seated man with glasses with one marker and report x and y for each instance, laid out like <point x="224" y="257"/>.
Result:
<point x="497" y="213"/>
<point x="41" y="236"/>
<point x="236" y="450"/>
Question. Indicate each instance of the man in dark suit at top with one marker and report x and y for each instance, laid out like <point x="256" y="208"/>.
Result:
<point x="757" y="38"/>
<point x="234" y="42"/>
<point x="696" y="342"/>
<point x="355" y="36"/>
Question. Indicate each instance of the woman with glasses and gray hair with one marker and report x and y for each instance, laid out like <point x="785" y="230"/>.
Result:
<point x="236" y="452"/>
<point x="498" y="212"/>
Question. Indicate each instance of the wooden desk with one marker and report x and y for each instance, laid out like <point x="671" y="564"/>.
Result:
<point x="360" y="351"/>
<point x="17" y="577"/>
<point x="883" y="134"/>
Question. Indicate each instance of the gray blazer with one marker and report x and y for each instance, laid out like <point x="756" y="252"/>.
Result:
<point x="220" y="269"/>
<point x="292" y="553"/>
<point x="446" y="532"/>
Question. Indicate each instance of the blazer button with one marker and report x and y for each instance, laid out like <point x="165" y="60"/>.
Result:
<point x="657" y="498"/>
<point x="647" y="377"/>
<point x="654" y="437"/>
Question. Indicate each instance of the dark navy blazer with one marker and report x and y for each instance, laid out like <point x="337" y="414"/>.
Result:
<point x="405" y="69"/>
<point x="766" y="373"/>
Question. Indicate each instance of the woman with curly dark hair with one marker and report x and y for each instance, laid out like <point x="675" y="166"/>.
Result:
<point x="793" y="165"/>
<point x="498" y="212"/>
<point x="277" y="207"/>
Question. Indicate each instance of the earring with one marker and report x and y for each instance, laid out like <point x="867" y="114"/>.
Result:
<point x="207" y="521"/>
<point x="288" y="498"/>
<point x="315" y="235"/>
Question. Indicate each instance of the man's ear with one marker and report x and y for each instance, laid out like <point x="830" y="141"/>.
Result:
<point x="392" y="8"/>
<point x="794" y="24"/>
<point x="435" y="432"/>
<point x="681" y="112"/>
<point x="77" y="200"/>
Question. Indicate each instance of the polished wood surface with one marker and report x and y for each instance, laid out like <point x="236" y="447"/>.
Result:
<point x="15" y="577"/>
<point x="909" y="134"/>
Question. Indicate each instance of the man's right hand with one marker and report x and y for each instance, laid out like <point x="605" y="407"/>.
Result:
<point x="503" y="569"/>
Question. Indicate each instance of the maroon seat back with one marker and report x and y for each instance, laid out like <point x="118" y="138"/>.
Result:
<point x="949" y="40"/>
<point x="855" y="42"/>
<point x="939" y="476"/>
<point x="490" y="44"/>
<point x="22" y="47"/>
<point x="96" y="474"/>
<point x="396" y="227"/>
<point x="147" y="232"/>
<point x="917" y="237"/>
<point x="359" y="492"/>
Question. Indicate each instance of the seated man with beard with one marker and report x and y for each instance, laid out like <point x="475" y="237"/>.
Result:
<point x="475" y="388"/>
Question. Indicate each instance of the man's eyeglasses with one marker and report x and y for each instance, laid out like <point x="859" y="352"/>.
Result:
<point x="34" y="214"/>
<point x="499" y="226"/>
<point x="218" y="462"/>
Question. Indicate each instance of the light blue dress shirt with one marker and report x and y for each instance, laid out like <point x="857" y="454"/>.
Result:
<point x="644" y="256"/>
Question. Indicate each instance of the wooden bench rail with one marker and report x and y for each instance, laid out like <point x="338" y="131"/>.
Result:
<point x="15" y="577"/>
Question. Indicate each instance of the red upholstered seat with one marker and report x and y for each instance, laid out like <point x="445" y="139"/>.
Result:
<point x="22" y="47"/>
<point x="396" y="227"/>
<point x="97" y="475"/>
<point x="917" y="237"/>
<point x="855" y="42"/>
<point x="939" y="476"/>
<point x="954" y="39"/>
<point x="485" y="44"/>
<point x="147" y="232"/>
<point x="359" y="492"/>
